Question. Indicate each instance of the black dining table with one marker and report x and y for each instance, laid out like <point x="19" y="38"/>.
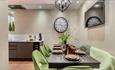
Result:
<point x="58" y="61"/>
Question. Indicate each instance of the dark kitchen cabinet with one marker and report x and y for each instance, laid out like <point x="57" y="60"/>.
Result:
<point x="12" y="50"/>
<point x="20" y="50"/>
<point x="24" y="50"/>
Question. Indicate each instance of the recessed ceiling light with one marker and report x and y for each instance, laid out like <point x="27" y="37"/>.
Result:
<point x="12" y="12"/>
<point x="77" y="2"/>
<point x="97" y="5"/>
<point x="70" y="1"/>
<point x="40" y="7"/>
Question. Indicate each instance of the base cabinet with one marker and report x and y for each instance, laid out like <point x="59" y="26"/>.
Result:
<point x="20" y="51"/>
<point x="12" y="50"/>
<point x="24" y="50"/>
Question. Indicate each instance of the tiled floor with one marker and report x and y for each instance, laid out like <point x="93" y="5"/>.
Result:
<point x="21" y="65"/>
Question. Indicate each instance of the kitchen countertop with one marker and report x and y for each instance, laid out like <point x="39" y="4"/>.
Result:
<point x="26" y="41"/>
<point x="22" y="38"/>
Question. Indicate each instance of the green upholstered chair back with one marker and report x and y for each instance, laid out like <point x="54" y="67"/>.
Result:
<point x="39" y="60"/>
<point x="113" y="61"/>
<point x="36" y="64"/>
<point x="85" y="48"/>
<point x="44" y="51"/>
<point x="103" y="57"/>
<point x="78" y="68"/>
<point x="47" y="48"/>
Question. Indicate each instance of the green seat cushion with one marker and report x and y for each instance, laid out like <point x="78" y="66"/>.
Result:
<point x="103" y="57"/>
<point x="78" y="68"/>
<point x="36" y="64"/>
<point x="44" y="67"/>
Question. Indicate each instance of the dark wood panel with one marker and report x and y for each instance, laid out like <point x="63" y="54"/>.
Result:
<point x="20" y="59"/>
<point x="24" y="50"/>
<point x="20" y="51"/>
<point x="12" y="50"/>
<point x="12" y="53"/>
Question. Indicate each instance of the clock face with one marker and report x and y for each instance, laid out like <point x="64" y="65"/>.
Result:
<point x="61" y="24"/>
<point x="92" y="21"/>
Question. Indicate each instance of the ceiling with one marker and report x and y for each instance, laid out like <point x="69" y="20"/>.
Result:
<point x="44" y="4"/>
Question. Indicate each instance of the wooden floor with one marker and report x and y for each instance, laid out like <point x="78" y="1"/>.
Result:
<point x="21" y="65"/>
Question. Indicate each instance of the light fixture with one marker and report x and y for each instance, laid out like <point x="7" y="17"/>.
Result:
<point x="62" y="5"/>
<point x="40" y="7"/>
<point x="77" y="2"/>
<point x="12" y="12"/>
<point x="97" y="5"/>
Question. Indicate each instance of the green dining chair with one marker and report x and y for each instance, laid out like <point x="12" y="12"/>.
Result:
<point x="85" y="48"/>
<point x="44" y="51"/>
<point x="78" y="68"/>
<point x="103" y="57"/>
<point x="40" y="63"/>
<point x="47" y="48"/>
<point x="113" y="62"/>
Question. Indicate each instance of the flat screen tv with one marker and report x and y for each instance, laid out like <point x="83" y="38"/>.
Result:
<point x="95" y="15"/>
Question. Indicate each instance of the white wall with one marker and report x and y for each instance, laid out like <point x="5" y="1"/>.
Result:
<point x="3" y="35"/>
<point x="102" y="36"/>
<point x="41" y="21"/>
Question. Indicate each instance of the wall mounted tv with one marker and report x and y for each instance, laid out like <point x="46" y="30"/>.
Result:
<point x="95" y="15"/>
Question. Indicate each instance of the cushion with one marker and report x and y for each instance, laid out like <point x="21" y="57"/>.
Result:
<point x="47" y="48"/>
<point x="44" y="51"/>
<point x="39" y="61"/>
<point x="85" y="48"/>
<point x="78" y="68"/>
<point x="113" y="61"/>
<point x="103" y="57"/>
<point x="44" y="67"/>
<point x="39" y="57"/>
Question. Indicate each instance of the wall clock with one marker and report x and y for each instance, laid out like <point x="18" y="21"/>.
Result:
<point x="60" y="25"/>
<point x="93" y="21"/>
